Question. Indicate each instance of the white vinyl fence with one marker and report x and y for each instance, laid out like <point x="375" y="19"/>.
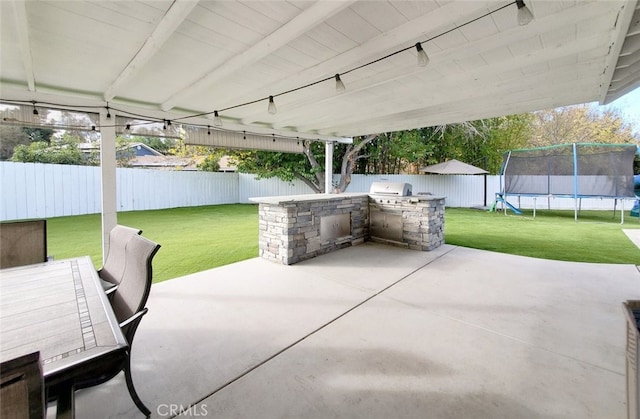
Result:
<point x="33" y="190"/>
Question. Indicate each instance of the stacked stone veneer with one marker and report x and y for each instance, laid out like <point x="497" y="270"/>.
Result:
<point x="422" y="220"/>
<point x="290" y="230"/>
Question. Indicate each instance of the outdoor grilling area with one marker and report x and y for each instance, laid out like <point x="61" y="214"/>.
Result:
<point x="300" y="227"/>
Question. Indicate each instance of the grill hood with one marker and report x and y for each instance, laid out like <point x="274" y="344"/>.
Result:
<point x="390" y="189"/>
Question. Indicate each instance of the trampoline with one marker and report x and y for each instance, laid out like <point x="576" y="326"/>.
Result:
<point x="579" y="170"/>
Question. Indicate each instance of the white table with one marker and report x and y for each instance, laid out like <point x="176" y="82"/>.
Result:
<point x="60" y="309"/>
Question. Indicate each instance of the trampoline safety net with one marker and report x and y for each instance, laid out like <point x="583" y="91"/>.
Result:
<point x="576" y="170"/>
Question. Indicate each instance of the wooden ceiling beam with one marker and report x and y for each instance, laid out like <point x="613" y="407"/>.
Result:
<point x="22" y="25"/>
<point x="502" y="39"/>
<point x="172" y="19"/>
<point x="516" y="88"/>
<point x="299" y="25"/>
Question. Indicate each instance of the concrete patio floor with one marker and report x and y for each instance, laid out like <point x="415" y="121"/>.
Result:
<point x="375" y="331"/>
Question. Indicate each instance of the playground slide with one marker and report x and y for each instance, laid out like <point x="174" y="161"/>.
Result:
<point x="500" y="198"/>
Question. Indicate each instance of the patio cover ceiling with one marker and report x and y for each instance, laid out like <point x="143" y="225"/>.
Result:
<point x="175" y="58"/>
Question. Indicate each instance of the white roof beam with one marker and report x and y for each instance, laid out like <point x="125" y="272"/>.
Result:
<point x="477" y="79"/>
<point x="169" y="23"/>
<point x="374" y="48"/>
<point x="464" y="111"/>
<point x="618" y="35"/>
<point x="291" y="111"/>
<point x="505" y="38"/>
<point x="468" y="100"/>
<point x="299" y="25"/>
<point x="22" y="25"/>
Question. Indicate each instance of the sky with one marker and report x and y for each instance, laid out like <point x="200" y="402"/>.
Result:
<point x="629" y="107"/>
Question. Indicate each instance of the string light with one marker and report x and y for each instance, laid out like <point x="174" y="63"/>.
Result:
<point x="128" y="127"/>
<point x="272" y="106"/>
<point x="524" y="14"/>
<point x="423" y="58"/>
<point x="340" y="88"/>
<point x="217" y="121"/>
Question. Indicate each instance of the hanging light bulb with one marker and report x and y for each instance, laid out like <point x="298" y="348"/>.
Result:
<point x="423" y="58"/>
<point x="272" y="106"/>
<point x="208" y="130"/>
<point x="524" y="14"/>
<point x="108" y="113"/>
<point x="128" y="127"/>
<point x="339" y="84"/>
<point x="217" y="121"/>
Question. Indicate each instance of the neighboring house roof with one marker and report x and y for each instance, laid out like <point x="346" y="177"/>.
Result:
<point x="148" y="157"/>
<point x="142" y="149"/>
<point x="166" y="162"/>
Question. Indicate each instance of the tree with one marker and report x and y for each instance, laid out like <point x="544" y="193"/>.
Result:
<point x="394" y="152"/>
<point x="306" y="166"/>
<point x="211" y="163"/>
<point x="63" y="150"/>
<point x="580" y="124"/>
<point x="12" y="136"/>
<point x="480" y="143"/>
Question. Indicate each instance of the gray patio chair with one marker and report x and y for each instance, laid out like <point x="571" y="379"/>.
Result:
<point x="21" y="388"/>
<point x="113" y="266"/>
<point x="128" y="302"/>
<point x="23" y="243"/>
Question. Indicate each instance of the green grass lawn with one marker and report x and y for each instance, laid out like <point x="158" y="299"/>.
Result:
<point x="193" y="239"/>
<point x="596" y="237"/>
<point x="198" y="238"/>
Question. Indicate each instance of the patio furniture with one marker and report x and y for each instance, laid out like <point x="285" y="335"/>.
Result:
<point x="60" y="309"/>
<point x="23" y="243"/>
<point x="632" y="311"/>
<point x="128" y="302"/>
<point x="113" y="267"/>
<point x="21" y="388"/>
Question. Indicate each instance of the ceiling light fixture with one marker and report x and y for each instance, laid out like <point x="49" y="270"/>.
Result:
<point x="272" y="106"/>
<point x="340" y="88"/>
<point x="217" y="121"/>
<point x="35" y="111"/>
<point x="423" y="58"/>
<point x="524" y="14"/>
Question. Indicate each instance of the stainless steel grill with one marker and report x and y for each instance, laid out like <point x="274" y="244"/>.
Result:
<point x="390" y="189"/>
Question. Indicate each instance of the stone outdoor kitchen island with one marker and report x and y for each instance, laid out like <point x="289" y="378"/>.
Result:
<point x="300" y="227"/>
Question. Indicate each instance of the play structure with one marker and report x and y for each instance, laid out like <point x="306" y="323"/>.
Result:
<point x="580" y="170"/>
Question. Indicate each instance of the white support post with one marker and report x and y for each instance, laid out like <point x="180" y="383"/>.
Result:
<point x="108" y="178"/>
<point x="328" y="167"/>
